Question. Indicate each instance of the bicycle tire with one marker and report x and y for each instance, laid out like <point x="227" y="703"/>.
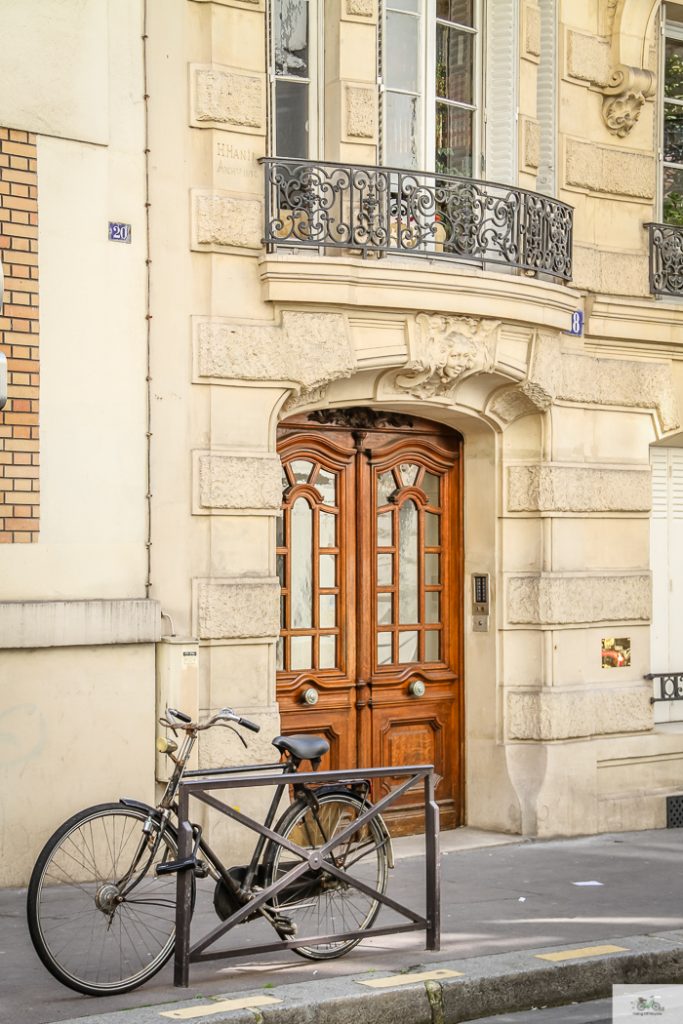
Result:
<point x="321" y="904"/>
<point x="86" y="936"/>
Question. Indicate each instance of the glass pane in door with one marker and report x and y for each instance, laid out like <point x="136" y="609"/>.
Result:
<point x="302" y="565"/>
<point x="407" y="571"/>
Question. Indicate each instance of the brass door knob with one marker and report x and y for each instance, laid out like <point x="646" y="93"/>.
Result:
<point x="417" y="688"/>
<point x="310" y="696"/>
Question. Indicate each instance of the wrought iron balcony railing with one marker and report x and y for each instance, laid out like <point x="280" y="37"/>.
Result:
<point x="385" y="210"/>
<point x="666" y="259"/>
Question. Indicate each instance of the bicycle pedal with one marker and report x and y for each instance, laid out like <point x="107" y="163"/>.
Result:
<point x="284" y="925"/>
<point x="201" y="870"/>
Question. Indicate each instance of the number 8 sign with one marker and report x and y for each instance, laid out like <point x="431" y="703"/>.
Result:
<point x="577" y="322"/>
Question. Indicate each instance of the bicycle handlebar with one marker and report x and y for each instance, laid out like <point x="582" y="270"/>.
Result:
<point x="225" y="715"/>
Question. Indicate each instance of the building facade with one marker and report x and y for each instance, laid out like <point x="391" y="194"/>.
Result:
<point x="345" y="368"/>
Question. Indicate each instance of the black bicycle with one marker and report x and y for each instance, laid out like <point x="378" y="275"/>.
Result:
<point x="102" y="897"/>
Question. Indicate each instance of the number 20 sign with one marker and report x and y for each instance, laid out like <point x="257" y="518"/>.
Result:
<point x="119" y="232"/>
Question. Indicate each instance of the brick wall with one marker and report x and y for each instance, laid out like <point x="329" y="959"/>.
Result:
<point x="19" y="447"/>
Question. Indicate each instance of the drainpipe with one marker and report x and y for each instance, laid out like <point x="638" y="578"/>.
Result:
<point x="148" y="316"/>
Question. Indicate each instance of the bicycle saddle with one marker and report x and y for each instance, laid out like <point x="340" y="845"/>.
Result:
<point x="303" y="748"/>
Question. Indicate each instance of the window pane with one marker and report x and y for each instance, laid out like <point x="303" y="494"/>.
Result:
<point x="385" y="609"/>
<point x="673" y="195"/>
<point x="430" y="485"/>
<point x="454" y="64"/>
<point x="432" y="569"/>
<point x="300" y="652"/>
<point x="432" y="646"/>
<point x="409" y="473"/>
<point x="328" y="570"/>
<point x="402" y="131"/>
<point x="280" y="531"/>
<point x="384" y="529"/>
<point x="301" y="469"/>
<point x="281" y="569"/>
<point x="403" y="5"/>
<point x="384" y="648"/>
<point x="460" y="11"/>
<point x="432" y="600"/>
<point x="302" y="564"/>
<point x="673" y="69"/>
<point x="291" y="119"/>
<point x="328" y="530"/>
<point x="328" y="610"/>
<point x="431" y="530"/>
<point x="327" y="652"/>
<point x="385" y="486"/>
<point x="280" y="654"/>
<point x="401" y="50"/>
<point x="407" y="573"/>
<point x="291" y="37"/>
<point x="327" y="485"/>
<point x="673" y="133"/>
<point x="385" y="570"/>
<point x="407" y="647"/>
<point x="453" y="140"/>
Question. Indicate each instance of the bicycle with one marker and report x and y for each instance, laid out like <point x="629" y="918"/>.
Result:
<point x="101" y="901"/>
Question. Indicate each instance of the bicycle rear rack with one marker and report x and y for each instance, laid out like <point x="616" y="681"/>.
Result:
<point x="198" y="787"/>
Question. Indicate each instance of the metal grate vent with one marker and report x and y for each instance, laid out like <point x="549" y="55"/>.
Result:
<point x="674" y="812"/>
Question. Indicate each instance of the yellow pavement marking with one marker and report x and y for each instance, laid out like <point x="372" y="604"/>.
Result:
<point x="408" y="979"/>
<point x="576" y="954"/>
<point x="190" y="1012"/>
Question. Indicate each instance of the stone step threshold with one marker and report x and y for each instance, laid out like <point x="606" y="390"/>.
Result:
<point x="443" y="993"/>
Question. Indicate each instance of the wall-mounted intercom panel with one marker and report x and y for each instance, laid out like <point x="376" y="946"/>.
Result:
<point x="481" y="602"/>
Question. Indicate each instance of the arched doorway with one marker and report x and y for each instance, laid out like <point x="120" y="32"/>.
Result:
<point x="369" y="557"/>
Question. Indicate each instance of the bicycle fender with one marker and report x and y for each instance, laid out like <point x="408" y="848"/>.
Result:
<point x="139" y="805"/>
<point x="336" y="788"/>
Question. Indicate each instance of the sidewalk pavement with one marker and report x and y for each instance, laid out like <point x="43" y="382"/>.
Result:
<point x="517" y="932"/>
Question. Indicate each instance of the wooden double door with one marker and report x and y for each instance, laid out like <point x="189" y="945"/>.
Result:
<point x="369" y="559"/>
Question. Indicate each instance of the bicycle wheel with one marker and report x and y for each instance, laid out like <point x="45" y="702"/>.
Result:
<point x="99" y="918"/>
<point x="318" y="903"/>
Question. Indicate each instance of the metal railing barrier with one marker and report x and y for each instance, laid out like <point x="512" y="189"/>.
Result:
<point x="666" y="259"/>
<point x="389" y="211"/>
<point x="197" y="784"/>
<point x="670" y="686"/>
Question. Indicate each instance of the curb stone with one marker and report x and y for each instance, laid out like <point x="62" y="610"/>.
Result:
<point x="488" y="985"/>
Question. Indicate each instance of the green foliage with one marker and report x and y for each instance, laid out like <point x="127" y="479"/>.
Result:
<point x="673" y="209"/>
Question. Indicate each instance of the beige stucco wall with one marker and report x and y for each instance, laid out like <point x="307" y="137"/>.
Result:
<point x="76" y="729"/>
<point x="78" y="721"/>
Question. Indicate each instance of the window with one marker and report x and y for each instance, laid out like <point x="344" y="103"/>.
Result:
<point x="294" y="78"/>
<point x="429" y="69"/>
<point x="671" y="184"/>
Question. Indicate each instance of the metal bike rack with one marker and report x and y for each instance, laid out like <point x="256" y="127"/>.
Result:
<point x="194" y="786"/>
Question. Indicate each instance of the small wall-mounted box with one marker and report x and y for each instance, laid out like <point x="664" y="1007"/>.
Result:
<point x="177" y="685"/>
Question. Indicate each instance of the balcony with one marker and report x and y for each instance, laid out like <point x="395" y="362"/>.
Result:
<point x="388" y="211"/>
<point x="666" y="259"/>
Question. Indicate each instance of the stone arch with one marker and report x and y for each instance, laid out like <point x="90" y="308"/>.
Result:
<point x="630" y="31"/>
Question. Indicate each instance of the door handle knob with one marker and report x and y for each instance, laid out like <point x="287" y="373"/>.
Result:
<point x="417" y="688"/>
<point x="310" y="696"/>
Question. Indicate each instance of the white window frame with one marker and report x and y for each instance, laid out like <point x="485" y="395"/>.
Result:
<point x="314" y="81"/>
<point x="668" y="30"/>
<point x="427" y="79"/>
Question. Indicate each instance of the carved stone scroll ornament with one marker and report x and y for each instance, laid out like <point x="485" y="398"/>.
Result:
<point x="448" y="348"/>
<point x="624" y="96"/>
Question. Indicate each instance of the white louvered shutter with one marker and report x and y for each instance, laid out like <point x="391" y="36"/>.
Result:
<point x="502" y="90"/>
<point x="666" y="561"/>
